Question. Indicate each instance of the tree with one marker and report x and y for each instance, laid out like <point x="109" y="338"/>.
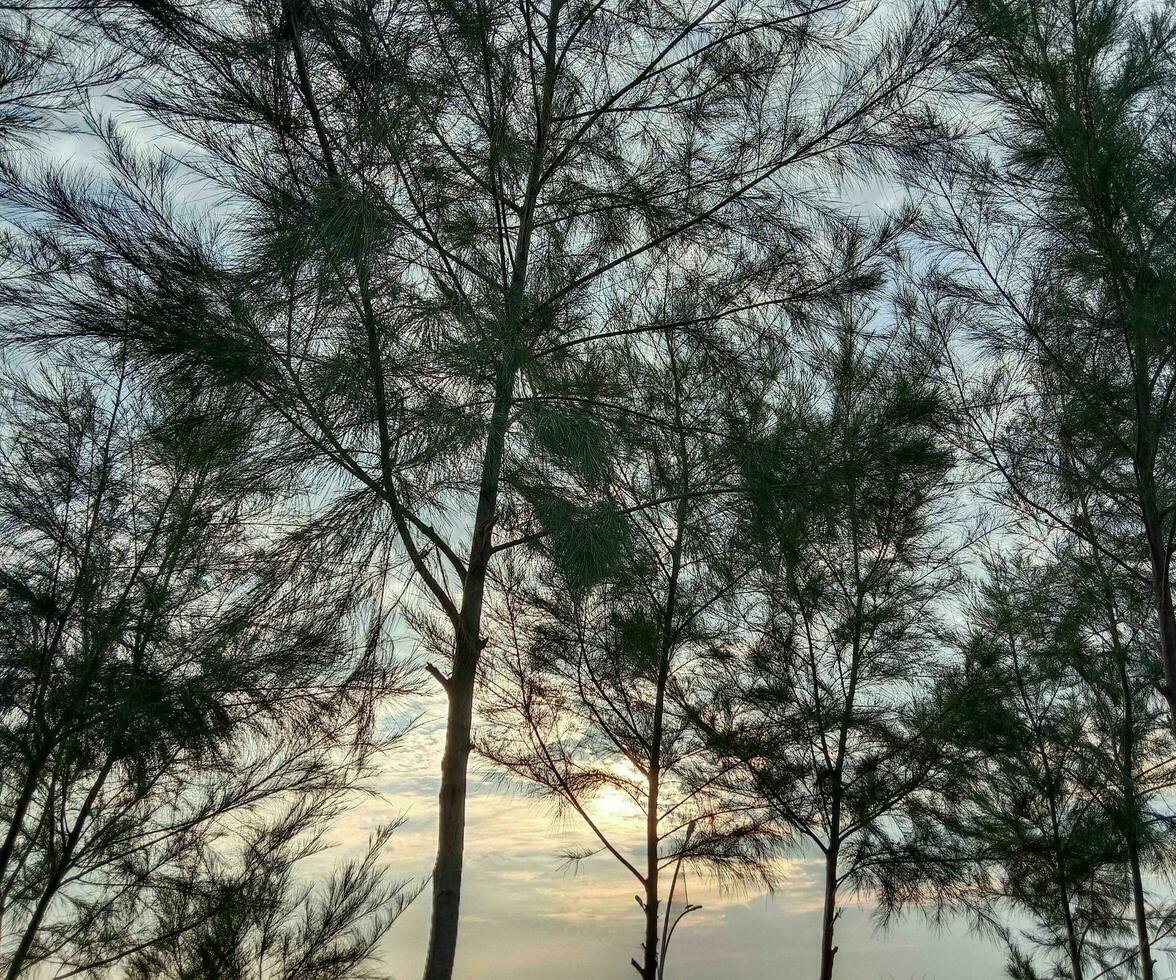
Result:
<point x="1026" y="808"/>
<point x="1056" y="255"/>
<point x="250" y="916"/>
<point x="1130" y="756"/>
<point x="825" y="709"/>
<point x="435" y="218"/>
<point x="1081" y="738"/>
<point x="1058" y="807"/>
<point x="609" y="626"/>
<point x="161" y="677"/>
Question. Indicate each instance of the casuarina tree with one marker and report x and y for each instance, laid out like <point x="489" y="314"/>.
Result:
<point x="426" y="221"/>
<point x="607" y="628"/>
<point x="1051" y="224"/>
<point x="825" y="709"/>
<point x="162" y="680"/>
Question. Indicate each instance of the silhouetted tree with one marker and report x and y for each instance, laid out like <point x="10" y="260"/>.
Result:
<point x="1059" y="803"/>
<point x="1053" y="224"/>
<point x="826" y="706"/>
<point x="608" y="628"/>
<point x="250" y="915"/>
<point x="161" y="674"/>
<point x="434" y="219"/>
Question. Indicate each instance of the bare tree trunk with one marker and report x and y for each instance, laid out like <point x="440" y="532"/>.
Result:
<point x="1138" y="896"/>
<point x="829" y="917"/>
<point x="1071" y="933"/>
<point x="652" y="903"/>
<point x="451" y="817"/>
<point x="1146" y="962"/>
<point x="57" y="875"/>
<point x="468" y="645"/>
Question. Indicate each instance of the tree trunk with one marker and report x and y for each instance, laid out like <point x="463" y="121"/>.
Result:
<point x="452" y="814"/>
<point x="1146" y="963"/>
<point x="1071" y="937"/>
<point x="1130" y="828"/>
<point x="829" y="918"/>
<point x="18" y="816"/>
<point x="1072" y="947"/>
<point x="451" y="804"/>
<point x="1138" y="896"/>
<point x="1161" y="591"/>
<point x="468" y="640"/>
<point x="1127" y="768"/>
<point x="652" y="837"/>
<point x="1146" y="446"/>
<point x="57" y="875"/>
<point x="652" y="903"/>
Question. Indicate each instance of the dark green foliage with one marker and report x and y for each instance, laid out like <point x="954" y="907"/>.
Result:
<point x="249" y="915"/>
<point x="548" y="328"/>
<point x="1054" y="272"/>
<point x="823" y="709"/>
<point x="437" y="225"/>
<point x="1064" y="757"/>
<point x="156" y="687"/>
<point x="592" y="697"/>
<point x="586" y="543"/>
<point x="1050" y="282"/>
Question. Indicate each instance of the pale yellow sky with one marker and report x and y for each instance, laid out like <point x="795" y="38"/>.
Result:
<point x="525" y="916"/>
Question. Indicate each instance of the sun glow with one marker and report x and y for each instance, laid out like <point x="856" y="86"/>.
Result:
<point x="613" y="802"/>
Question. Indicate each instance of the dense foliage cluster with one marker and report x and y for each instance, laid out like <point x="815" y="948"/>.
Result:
<point x="760" y="412"/>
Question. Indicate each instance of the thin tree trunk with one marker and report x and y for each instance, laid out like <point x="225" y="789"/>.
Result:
<point x="1146" y="962"/>
<point x="1072" y="946"/>
<point x="1127" y="770"/>
<point x="652" y="818"/>
<point x="1161" y="590"/>
<point x="829" y="917"/>
<point x="468" y="642"/>
<point x="451" y="803"/>
<point x="1146" y="436"/>
<point x="652" y="837"/>
<point x="1138" y="896"/>
<point x="1071" y="933"/>
<point x="16" y="966"/>
<point x="22" y="805"/>
<point x="652" y="902"/>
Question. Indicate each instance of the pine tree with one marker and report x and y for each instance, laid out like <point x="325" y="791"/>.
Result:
<point x="1131" y="751"/>
<point x="248" y="915"/>
<point x="1035" y="820"/>
<point x="49" y="63"/>
<point x="609" y="626"/>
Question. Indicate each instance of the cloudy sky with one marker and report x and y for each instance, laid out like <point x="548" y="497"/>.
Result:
<point x="526" y="916"/>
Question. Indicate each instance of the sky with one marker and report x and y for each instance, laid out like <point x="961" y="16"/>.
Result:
<point x="526" y="915"/>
